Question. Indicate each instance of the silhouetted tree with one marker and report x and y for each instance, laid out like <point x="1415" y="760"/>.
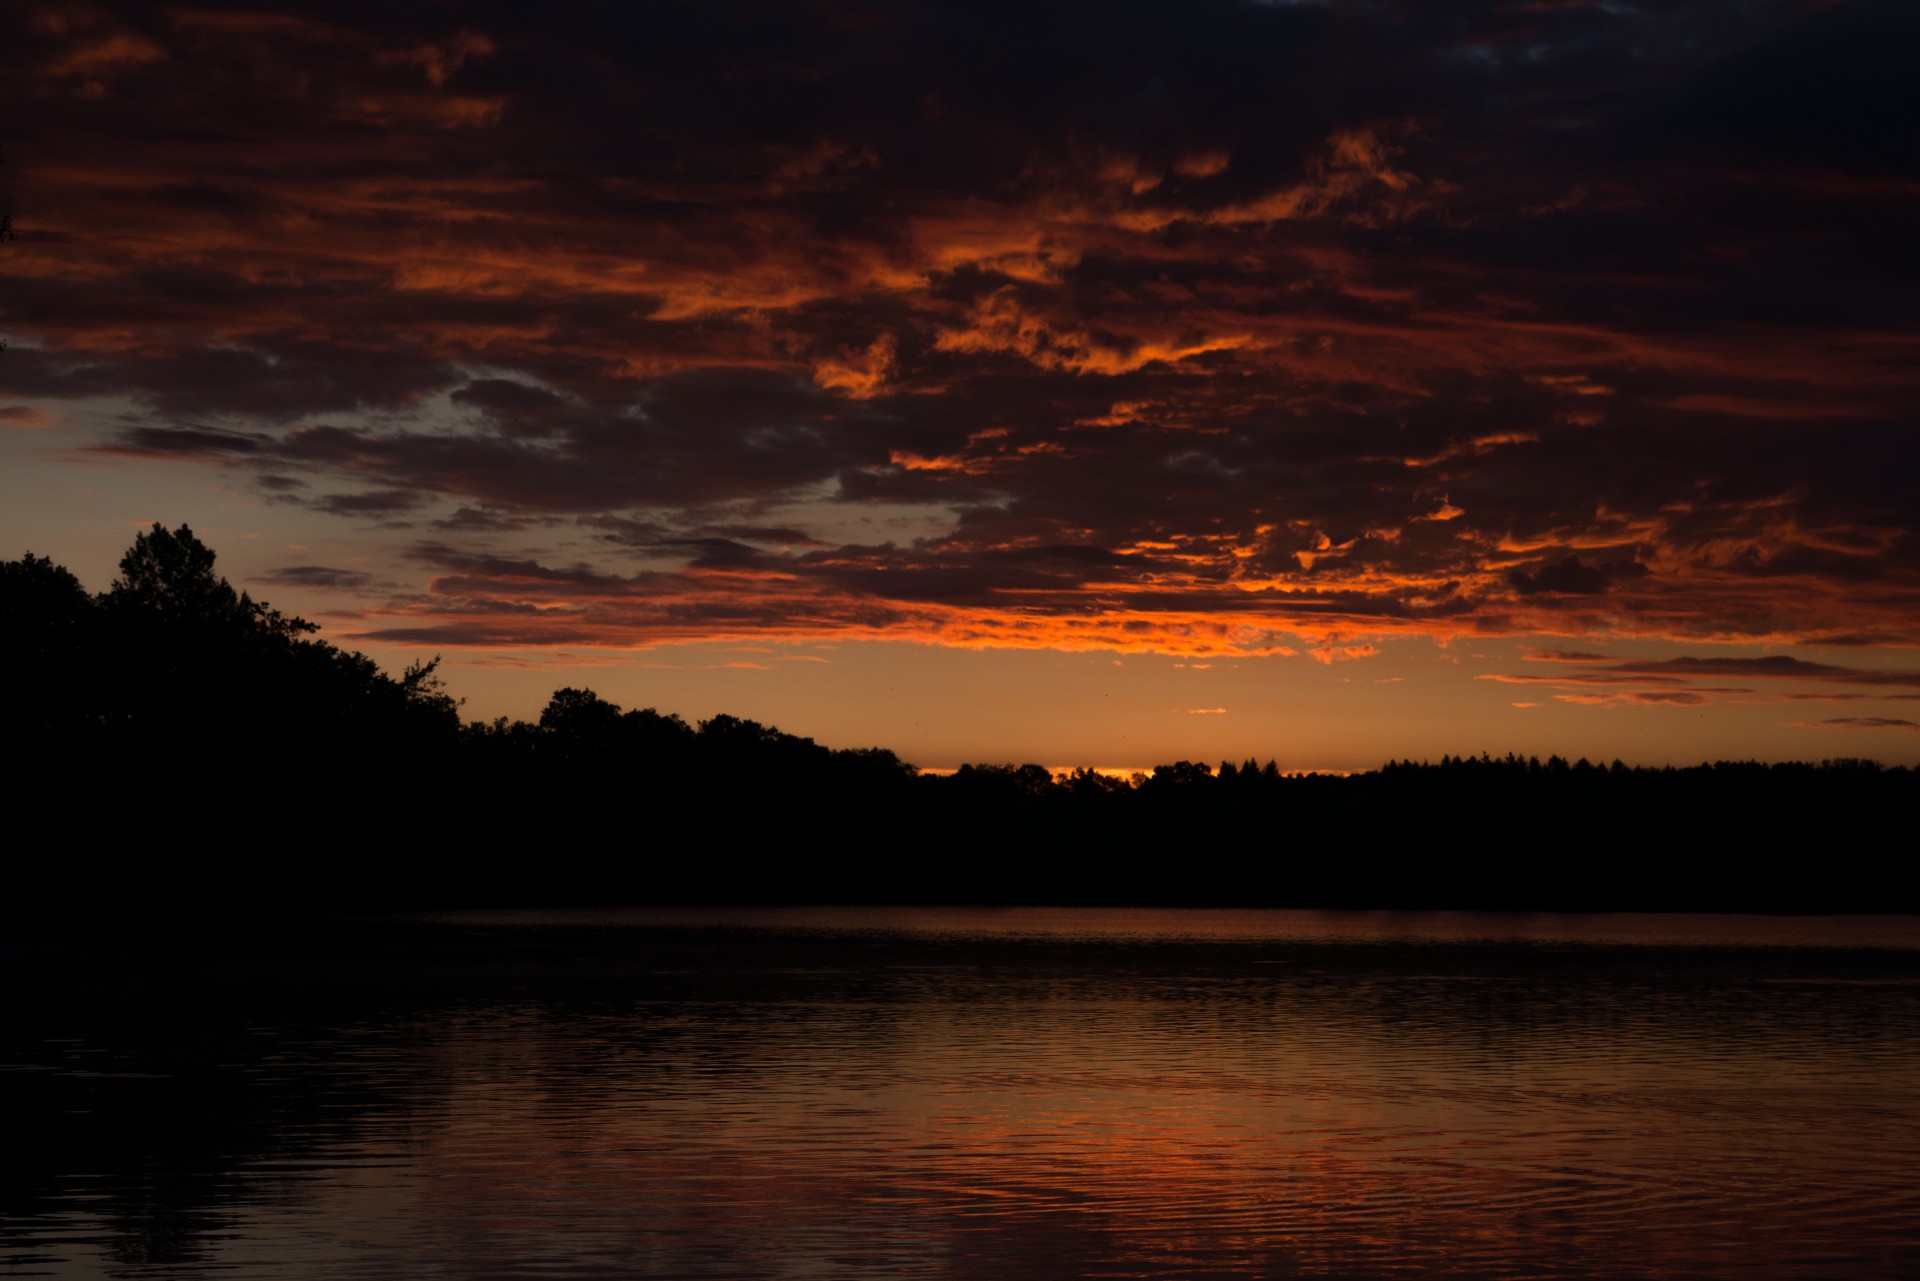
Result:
<point x="1087" y="782"/>
<point x="238" y="687"/>
<point x="41" y="605"/>
<point x="580" y="721"/>
<point x="169" y="574"/>
<point x="1180" y="774"/>
<point x="191" y="656"/>
<point x="49" y="629"/>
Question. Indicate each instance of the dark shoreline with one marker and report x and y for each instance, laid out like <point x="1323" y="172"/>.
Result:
<point x="556" y="828"/>
<point x="190" y="748"/>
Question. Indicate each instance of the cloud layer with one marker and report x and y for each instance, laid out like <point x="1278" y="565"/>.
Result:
<point x="1209" y="328"/>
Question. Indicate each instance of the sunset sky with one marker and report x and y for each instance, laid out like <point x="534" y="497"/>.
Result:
<point x="1088" y="384"/>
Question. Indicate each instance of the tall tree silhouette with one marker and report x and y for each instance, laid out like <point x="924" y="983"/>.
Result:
<point x="240" y="691"/>
<point x="192" y="657"/>
<point x="169" y="575"/>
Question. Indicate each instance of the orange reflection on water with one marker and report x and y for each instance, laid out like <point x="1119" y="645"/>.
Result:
<point x="1299" y="1115"/>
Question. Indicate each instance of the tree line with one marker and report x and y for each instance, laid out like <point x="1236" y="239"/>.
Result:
<point x="186" y="744"/>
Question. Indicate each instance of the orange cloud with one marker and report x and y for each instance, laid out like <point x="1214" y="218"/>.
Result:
<point x="1354" y="169"/>
<point x="1331" y="654"/>
<point x="999" y="323"/>
<point x="860" y="374"/>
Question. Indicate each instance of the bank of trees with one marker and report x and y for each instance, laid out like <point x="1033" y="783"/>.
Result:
<point x="181" y="743"/>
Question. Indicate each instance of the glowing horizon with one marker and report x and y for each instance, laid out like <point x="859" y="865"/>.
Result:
<point x="1268" y="379"/>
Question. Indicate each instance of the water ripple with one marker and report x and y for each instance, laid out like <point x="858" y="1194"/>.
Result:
<point x="571" y="1099"/>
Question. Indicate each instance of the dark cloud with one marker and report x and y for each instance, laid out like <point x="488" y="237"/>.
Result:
<point x="713" y="553"/>
<point x="315" y="576"/>
<point x="1677" y="681"/>
<point x="482" y="520"/>
<point x="1585" y="677"/>
<point x="385" y="502"/>
<point x="1773" y="667"/>
<point x="1862" y="722"/>
<point x="1571" y="576"/>
<point x="1851" y="641"/>
<point x="515" y="407"/>
<point x="766" y="534"/>
<point x="190" y="442"/>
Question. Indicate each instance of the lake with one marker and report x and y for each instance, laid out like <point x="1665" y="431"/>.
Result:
<point x="1018" y="1093"/>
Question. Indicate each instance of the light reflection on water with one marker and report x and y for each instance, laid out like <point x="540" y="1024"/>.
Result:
<point x="980" y="1094"/>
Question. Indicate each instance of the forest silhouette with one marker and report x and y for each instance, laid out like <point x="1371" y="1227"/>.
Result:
<point x="183" y="745"/>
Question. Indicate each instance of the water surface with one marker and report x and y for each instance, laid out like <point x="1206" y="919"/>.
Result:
<point x="1009" y="1094"/>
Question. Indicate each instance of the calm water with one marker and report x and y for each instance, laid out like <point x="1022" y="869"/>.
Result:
<point x="1009" y="1094"/>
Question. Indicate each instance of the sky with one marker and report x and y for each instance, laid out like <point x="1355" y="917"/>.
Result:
<point x="1081" y="383"/>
